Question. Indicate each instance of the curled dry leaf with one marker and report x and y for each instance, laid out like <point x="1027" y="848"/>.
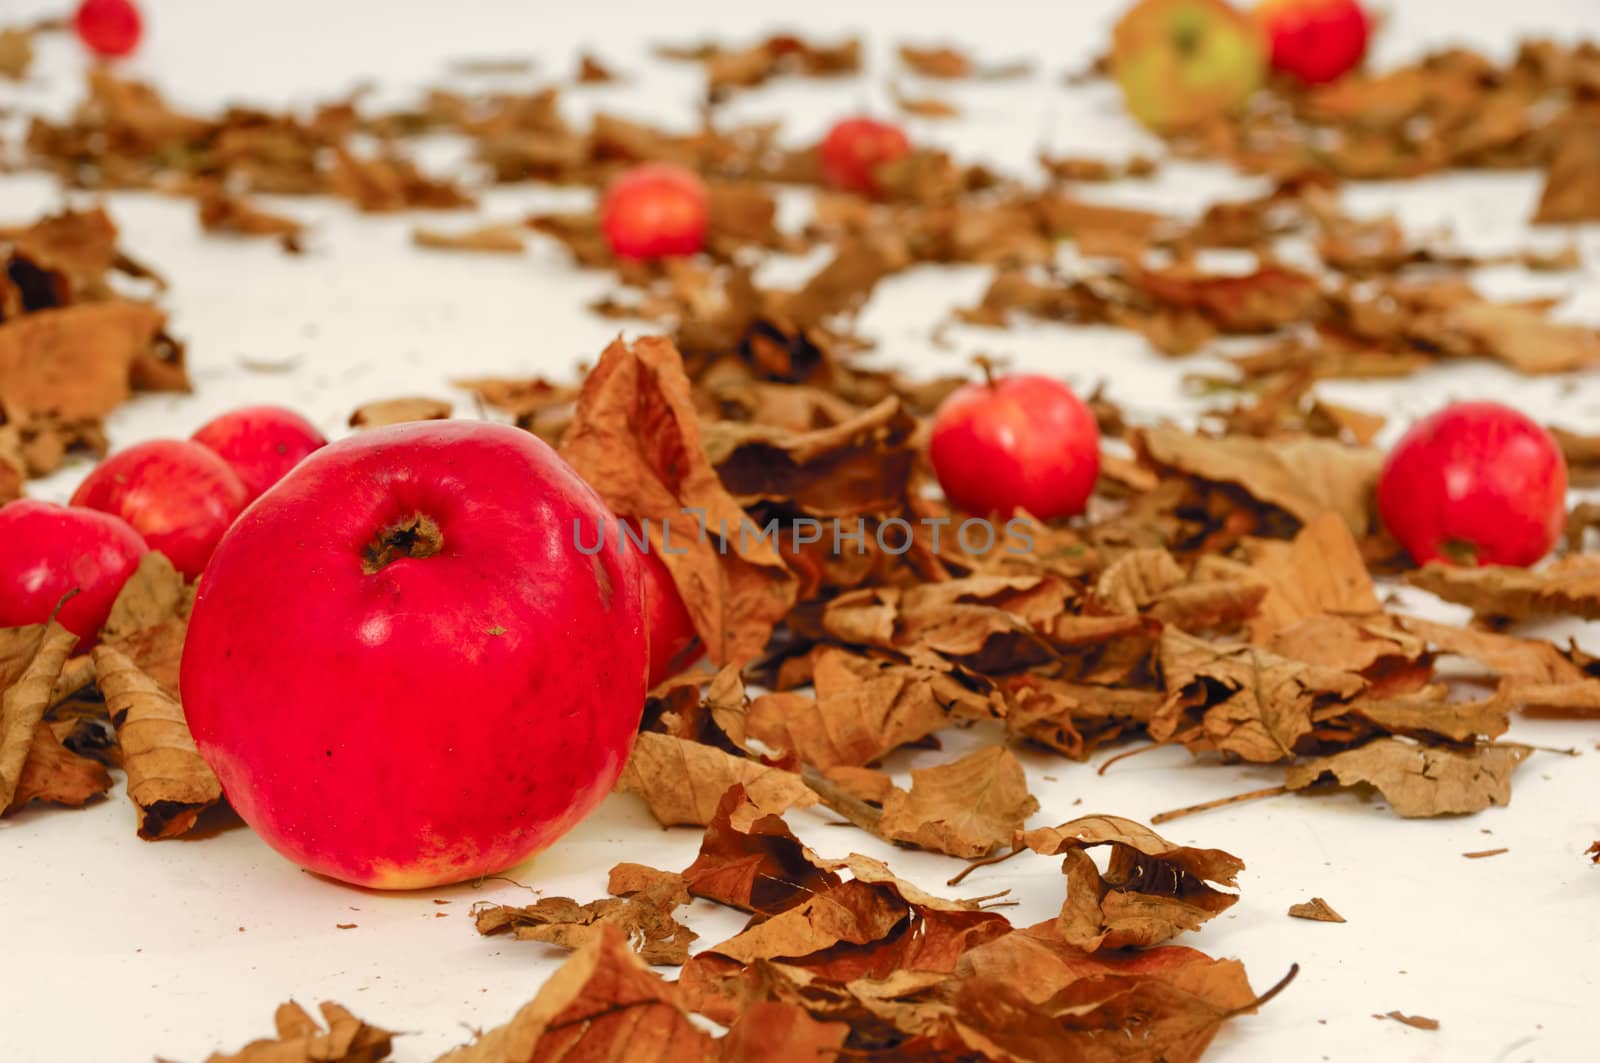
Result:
<point x="1569" y="586"/>
<point x="346" y="1039"/>
<point x="863" y="709"/>
<point x="642" y="909"/>
<point x="507" y="238"/>
<point x="1151" y="891"/>
<point x="637" y="440"/>
<point x="150" y="618"/>
<point x="31" y="660"/>
<point x="603" y="1003"/>
<point x="750" y="860"/>
<point x="1303" y="477"/>
<point x="684" y="781"/>
<point x="399" y="411"/>
<point x="168" y="781"/>
<point x="1420" y="780"/>
<point x="965" y="808"/>
<point x="55" y="774"/>
<point x="1315" y="909"/>
<point x="238" y="216"/>
<point x="1252" y="703"/>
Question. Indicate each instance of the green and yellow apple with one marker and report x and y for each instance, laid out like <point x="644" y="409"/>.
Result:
<point x="1182" y="63"/>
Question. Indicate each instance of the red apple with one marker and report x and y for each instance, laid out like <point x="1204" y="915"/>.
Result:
<point x="1315" y="40"/>
<point x="260" y="443"/>
<point x="1478" y="483"/>
<point x="177" y="494"/>
<point x="854" y="149"/>
<point x="1017" y="442"/>
<point x="410" y="662"/>
<point x="655" y="211"/>
<point x="50" y="550"/>
<point x="109" y="28"/>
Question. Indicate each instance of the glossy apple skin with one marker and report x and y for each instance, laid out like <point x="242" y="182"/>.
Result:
<point x="260" y="443"/>
<point x="1316" y="41"/>
<point x="436" y="718"/>
<point x="854" y="149"/>
<point x="177" y="494"/>
<point x="1475" y="480"/>
<point x="49" y="550"/>
<point x="1020" y="442"/>
<point x="109" y="28"/>
<point x="655" y="211"/>
<point x="1182" y="63"/>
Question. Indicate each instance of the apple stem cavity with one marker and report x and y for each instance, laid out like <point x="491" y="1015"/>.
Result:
<point x="415" y="536"/>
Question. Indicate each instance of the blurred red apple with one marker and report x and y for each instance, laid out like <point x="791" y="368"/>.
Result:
<point x="260" y="443"/>
<point x="177" y="494"/>
<point x="410" y="663"/>
<point x="655" y="211"/>
<point x="1017" y="442"/>
<point x="50" y="550"/>
<point x="109" y="28"/>
<point x="1315" y="40"/>
<point x="855" y="148"/>
<point x="1476" y="483"/>
<point x="1182" y="63"/>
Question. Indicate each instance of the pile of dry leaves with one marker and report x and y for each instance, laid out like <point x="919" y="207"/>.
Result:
<point x="1219" y="594"/>
<point x="72" y="347"/>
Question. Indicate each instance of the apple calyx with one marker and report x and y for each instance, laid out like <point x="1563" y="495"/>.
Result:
<point x="415" y="536"/>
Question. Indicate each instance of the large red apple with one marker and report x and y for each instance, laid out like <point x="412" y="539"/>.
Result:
<point x="177" y="494"/>
<point x="47" y="551"/>
<point x="1477" y="483"/>
<point x="655" y="211"/>
<point x="1182" y="63"/>
<point x="855" y="148"/>
<point x="1017" y="442"/>
<point x="1315" y="41"/>
<point x="260" y="443"/>
<point x="409" y="663"/>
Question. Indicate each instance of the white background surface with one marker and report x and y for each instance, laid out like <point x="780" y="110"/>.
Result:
<point x="116" y="949"/>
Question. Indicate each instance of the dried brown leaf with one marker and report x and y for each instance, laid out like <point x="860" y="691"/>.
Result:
<point x="1567" y="587"/>
<point x="863" y="709"/>
<point x="750" y="860"/>
<point x="603" y="1003"/>
<point x="301" y="1040"/>
<point x="56" y="775"/>
<point x="169" y="783"/>
<point x="636" y="440"/>
<point x="642" y="910"/>
<point x="1420" y="780"/>
<point x="1151" y="891"/>
<point x="683" y="781"/>
<point x="1572" y="182"/>
<point x="1316" y="909"/>
<point x="398" y="411"/>
<point x="1304" y="477"/>
<point x="74" y="362"/>
<point x="1251" y="702"/>
<point x="31" y="660"/>
<point x="507" y="238"/>
<point x="965" y="808"/>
